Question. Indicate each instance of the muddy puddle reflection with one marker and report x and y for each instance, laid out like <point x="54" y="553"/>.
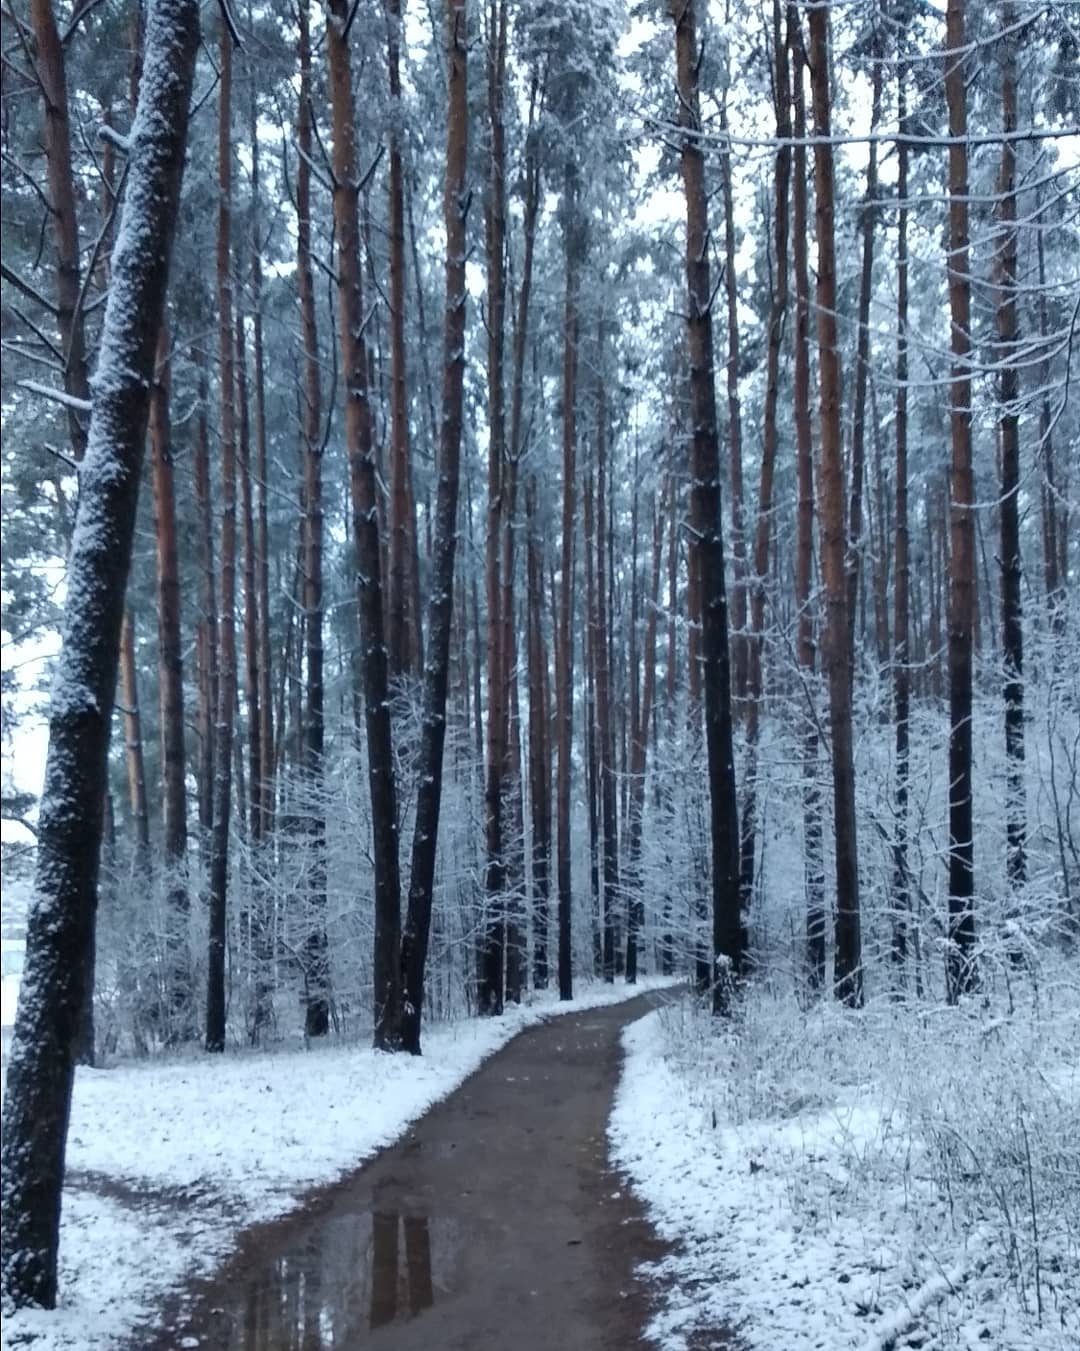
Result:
<point x="340" y="1283"/>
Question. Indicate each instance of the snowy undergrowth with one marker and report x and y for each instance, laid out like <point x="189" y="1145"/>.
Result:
<point x="169" y="1160"/>
<point x="904" y="1177"/>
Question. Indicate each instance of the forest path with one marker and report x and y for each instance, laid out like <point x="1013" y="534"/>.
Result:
<point x="495" y="1221"/>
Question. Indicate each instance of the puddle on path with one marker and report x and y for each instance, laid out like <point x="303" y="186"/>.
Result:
<point x="351" y="1275"/>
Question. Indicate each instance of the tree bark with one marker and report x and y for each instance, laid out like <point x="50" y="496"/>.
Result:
<point x="316" y="946"/>
<point x="960" y="965"/>
<point x="179" y="994"/>
<point x="61" y="924"/>
<point x="133" y="749"/>
<point x="206" y="647"/>
<point x="441" y="603"/>
<point x="564" y="658"/>
<point x="848" y="979"/>
<point x="762" y="535"/>
<point x="539" y="744"/>
<point x="360" y="444"/>
<point x="226" y="701"/>
<point x="813" y="864"/>
<point x="403" y="623"/>
<point x="1012" y="639"/>
<point x="901" y="558"/>
<point x="491" y="989"/>
<point x="707" y="539"/>
<point x="52" y="77"/>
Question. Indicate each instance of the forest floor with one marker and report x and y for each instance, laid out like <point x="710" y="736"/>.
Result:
<point x="185" y="1167"/>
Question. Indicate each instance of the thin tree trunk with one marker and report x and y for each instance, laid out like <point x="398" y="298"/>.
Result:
<point x="961" y="953"/>
<point x="52" y="77"/>
<point x="848" y="973"/>
<point x="491" y="990"/>
<point x="133" y="748"/>
<point x="708" y="544"/>
<point x="855" y="543"/>
<point x="777" y="317"/>
<point x="206" y="647"/>
<point x="539" y="744"/>
<point x="316" y="946"/>
<point x="902" y="563"/>
<point x="564" y="706"/>
<point x="361" y="451"/>
<point x="403" y="623"/>
<point x="60" y="929"/>
<point x="1012" y="640"/>
<point x="441" y="604"/>
<point x="226" y="703"/>
<point x="813" y="864"/>
<point x="179" y="993"/>
<point x="605" y="732"/>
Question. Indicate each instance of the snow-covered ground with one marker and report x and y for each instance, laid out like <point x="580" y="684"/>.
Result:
<point x="169" y="1160"/>
<point x="884" y="1182"/>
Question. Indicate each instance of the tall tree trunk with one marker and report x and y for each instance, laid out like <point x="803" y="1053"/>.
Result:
<point x="856" y="544"/>
<point x="960" y="963"/>
<point x="262" y="529"/>
<point x="316" y="946"/>
<point x="441" y="603"/>
<point x="403" y="623"/>
<point x="740" y="651"/>
<point x="60" y="929"/>
<point x="133" y="748"/>
<point x="251" y="624"/>
<point x="848" y="980"/>
<point x="226" y="702"/>
<point x="813" y="864"/>
<point x="539" y="743"/>
<point x="206" y="648"/>
<point x="762" y="536"/>
<point x="1012" y="640"/>
<point x="708" y="543"/>
<point x="635" y="911"/>
<point x="605" y="731"/>
<point x="491" y="989"/>
<point x="179" y="994"/>
<point x="360" y="443"/>
<point x="564" y="668"/>
<point x="52" y="77"/>
<point x="901" y="556"/>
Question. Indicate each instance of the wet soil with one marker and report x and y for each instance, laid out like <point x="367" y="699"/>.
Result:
<point x="496" y="1221"/>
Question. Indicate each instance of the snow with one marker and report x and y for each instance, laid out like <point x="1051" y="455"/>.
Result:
<point x="168" y="1160"/>
<point x="819" y="1226"/>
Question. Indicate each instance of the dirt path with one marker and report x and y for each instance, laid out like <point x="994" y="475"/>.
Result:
<point x="495" y="1222"/>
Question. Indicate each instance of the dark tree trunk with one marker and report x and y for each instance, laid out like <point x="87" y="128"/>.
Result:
<point x="564" y="658"/>
<point x="961" y="953"/>
<point x="226" y="702"/>
<point x="133" y="748"/>
<point x="707" y="542"/>
<point x="539" y="745"/>
<point x="848" y="979"/>
<point x="402" y="620"/>
<point x="813" y="864"/>
<point x="901" y="560"/>
<point x="179" y="994"/>
<point x="754" y="689"/>
<point x="441" y="602"/>
<point x="491" y="987"/>
<point x="1012" y="642"/>
<point x="60" y="930"/>
<point x="206" y="647"/>
<point x="52" y="77"/>
<point x="360" y="443"/>
<point x="316" y="946"/>
<point x="855" y="543"/>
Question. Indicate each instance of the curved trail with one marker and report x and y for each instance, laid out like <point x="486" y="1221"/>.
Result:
<point x="496" y="1221"/>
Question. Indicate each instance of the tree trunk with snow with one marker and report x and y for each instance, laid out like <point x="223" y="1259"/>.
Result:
<point x="61" y="924"/>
